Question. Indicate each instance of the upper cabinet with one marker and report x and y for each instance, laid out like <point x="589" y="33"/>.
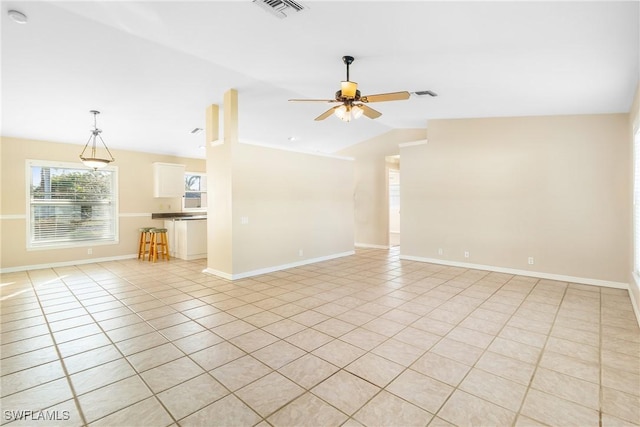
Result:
<point x="168" y="180"/>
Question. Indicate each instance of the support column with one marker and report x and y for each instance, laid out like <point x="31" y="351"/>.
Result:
<point x="219" y="185"/>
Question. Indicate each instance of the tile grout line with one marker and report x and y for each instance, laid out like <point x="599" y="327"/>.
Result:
<point x="486" y="349"/>
<point x="136" y="373"/>
<point x="291" y="284"/>
<point x="139" y="374"/>
<point x="434" y="344"/>
<point x="542" y="350"/>
<point x="230" y="392"/>
<point x="600" y="365"/>
<point x="55" y="345"/>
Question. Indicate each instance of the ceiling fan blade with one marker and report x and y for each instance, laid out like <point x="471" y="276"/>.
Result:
<point x="313" y="100"/>
<point x="381" y="97"/>
<point x="369" y="112"/>
<point x="326" y="114"/>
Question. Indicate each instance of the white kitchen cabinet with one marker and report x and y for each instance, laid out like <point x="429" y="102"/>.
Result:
<point x="189" y="239"/>
<point x="168" y="180"/>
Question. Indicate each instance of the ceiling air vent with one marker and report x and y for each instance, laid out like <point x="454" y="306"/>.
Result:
<point x="425" y="92"/>
<point x="279" y="8"/>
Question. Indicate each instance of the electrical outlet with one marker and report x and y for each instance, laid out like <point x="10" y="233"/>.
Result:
<point x="300" y="252"/>
<point x="466" y="254"/>
<point x="440" y="251"/>
<point x="530" y="260"/>
<point x="89" y="251"/>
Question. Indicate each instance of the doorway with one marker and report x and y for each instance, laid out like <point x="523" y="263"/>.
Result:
<point x="394" y="206"/>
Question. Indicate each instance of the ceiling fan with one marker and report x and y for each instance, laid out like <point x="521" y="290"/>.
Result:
<point x="352" y="104"/>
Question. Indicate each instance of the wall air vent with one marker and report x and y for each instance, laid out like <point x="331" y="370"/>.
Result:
<point x="279" y="8"/>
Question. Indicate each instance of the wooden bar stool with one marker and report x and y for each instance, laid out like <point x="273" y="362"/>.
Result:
<point x="145" y="239"/>
<point x="159" y="244"/>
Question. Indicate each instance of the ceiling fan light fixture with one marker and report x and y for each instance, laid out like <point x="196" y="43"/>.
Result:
<point x="356" y="111"/>
<point x="93" y="160"/>
<point x="348" y="89"/>
<point x="341" y="111"/>
<point x="347" y="112"/>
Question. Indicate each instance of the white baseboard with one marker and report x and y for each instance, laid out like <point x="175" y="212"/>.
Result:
<point x="65" y="263"/>
<point x="218" y="273"/>
<point x="538" y="274"/>
<point x="266" y="270"/>
<point x="370" y="246"/>
<point x="191" y="257"/>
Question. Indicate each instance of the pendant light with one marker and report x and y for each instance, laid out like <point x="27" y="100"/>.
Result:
<point x="93" y="160"/>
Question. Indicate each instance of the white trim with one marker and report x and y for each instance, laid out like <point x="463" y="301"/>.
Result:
<point x="218" y="273"/>
<point x="13" y="216"/>
<point x="66" y="263"/>
<point x="135" y="215"/>
<point x="412" y="144"/>
<point x="74" y="244"/>
<point x="192" y="257"/>
<point x="370" y="246"/>
<point x="537" y="274"/>
<point x="300" y="151"/>
<point x="275" y="267"/>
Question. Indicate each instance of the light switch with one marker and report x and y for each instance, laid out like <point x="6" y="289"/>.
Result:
<point x="244" y="220"/>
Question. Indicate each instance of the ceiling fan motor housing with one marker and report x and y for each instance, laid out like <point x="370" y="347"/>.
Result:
<point x="341" y="98"/>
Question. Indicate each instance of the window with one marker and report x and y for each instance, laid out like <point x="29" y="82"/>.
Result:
<point x="70" y="205"/>
<point x="636" y="201"/>
<point x="195" y="191"/>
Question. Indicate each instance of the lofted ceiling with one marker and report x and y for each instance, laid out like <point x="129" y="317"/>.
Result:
<point x="152" y="67"/>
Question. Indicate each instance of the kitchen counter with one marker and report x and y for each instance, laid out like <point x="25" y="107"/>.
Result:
<point x="187" y="236"/>
<point x="187" y="218"/>
<point x="179" y="216"/>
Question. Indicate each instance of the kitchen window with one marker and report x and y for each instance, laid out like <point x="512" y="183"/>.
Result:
<point x="70" y="205"/>
<point x="195" y="191"/>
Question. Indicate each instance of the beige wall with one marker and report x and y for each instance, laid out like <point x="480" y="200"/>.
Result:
<point x="370" y="178"/>
<point x="135" y="190"/>
<point x="272" y="208"/>
<point x="505" y="189"/>
<point x="293" y="202"/>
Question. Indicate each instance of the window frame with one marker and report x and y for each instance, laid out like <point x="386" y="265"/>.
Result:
<point x="30" y="246"/>
<point x="203" y="180"/>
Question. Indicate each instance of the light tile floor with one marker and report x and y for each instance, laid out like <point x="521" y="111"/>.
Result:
<point x="362" y="340"/>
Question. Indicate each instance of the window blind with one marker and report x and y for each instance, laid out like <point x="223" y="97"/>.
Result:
<point x="70" y="204"/>
<point x="636" y="201"/>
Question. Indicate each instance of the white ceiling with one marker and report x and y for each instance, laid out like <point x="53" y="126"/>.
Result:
<point x="152" y="67"/>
